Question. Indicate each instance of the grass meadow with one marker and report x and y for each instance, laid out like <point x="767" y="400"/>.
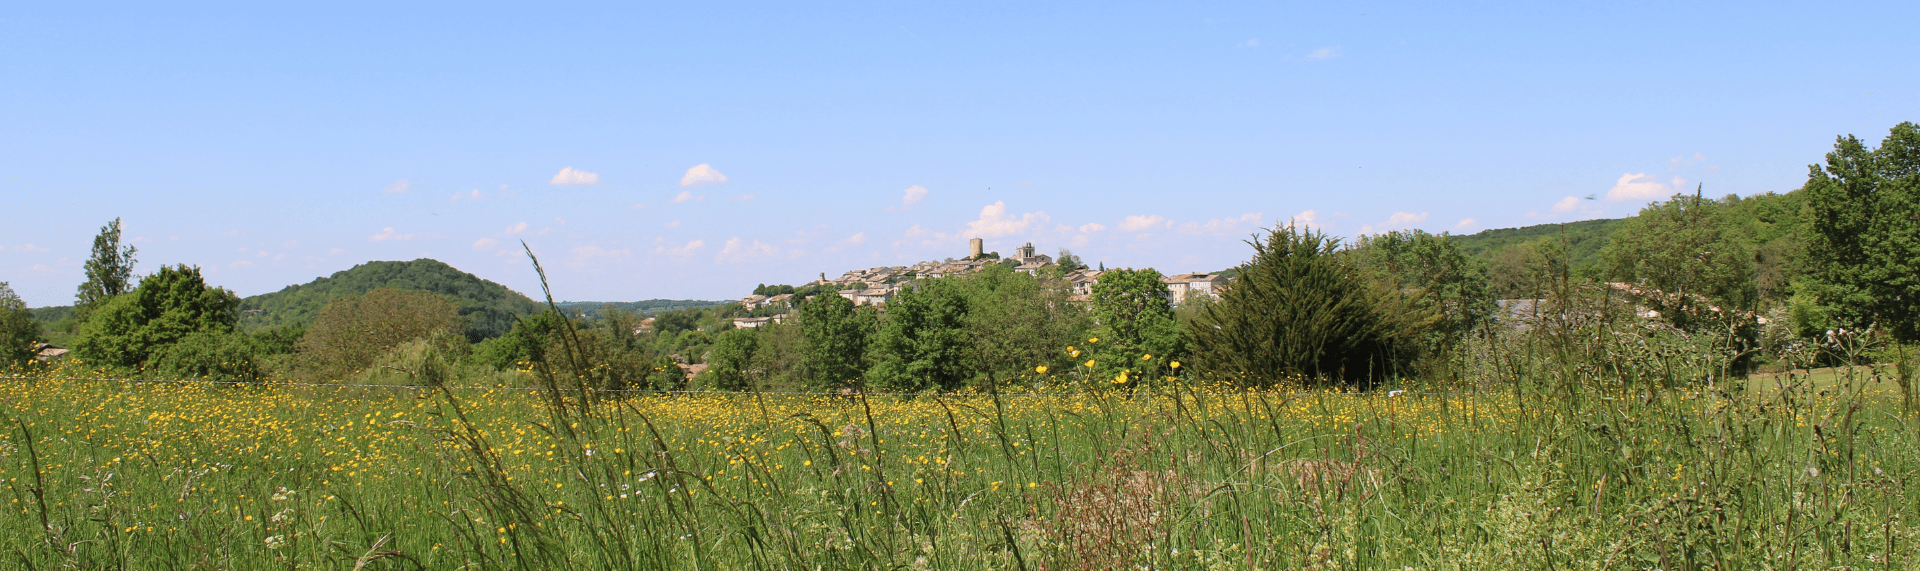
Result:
<point x="107" y="474"/>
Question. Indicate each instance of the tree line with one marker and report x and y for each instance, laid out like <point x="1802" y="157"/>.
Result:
<point x="1758" y="275"/>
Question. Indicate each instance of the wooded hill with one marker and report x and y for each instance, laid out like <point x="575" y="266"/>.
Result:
<point x="489" y="308"/>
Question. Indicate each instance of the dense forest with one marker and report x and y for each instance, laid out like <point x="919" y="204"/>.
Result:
<point x="488" y="308"/>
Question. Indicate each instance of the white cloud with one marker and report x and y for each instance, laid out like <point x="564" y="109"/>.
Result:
<point x="260" y="254"/>
<point x="389" y="234"/>
<point x="682" y="251"/>
<point x="485" y="244"/>
<point x="1253" y="43"/>
<point x="29" y="248"/>
<point x="915" y="194"/>
<point x="995" y="223"/>
<point x="1639" y="186"/>
<point x="1324" y="53"/>
<point x="737" y="250"/>
<point x="42" y="269"/>
<point x="1465" y="224"/>
<point x="701" y="175"/>
<point x="1223" y="226"/>
<point x="241" y="264"/>
<point x="1311" y="219"/>
<point x="291" y="244"/>
<point x="686" y="195"/>
<point x="398" y="186"/>
<point x="1137" y="223"/>
<point x="569" y="176"/>
<point x="1566" y="205"/>
<point x="1092" y="227"/>
<point x="517" y="228"/>
<point x="673" y="224"/>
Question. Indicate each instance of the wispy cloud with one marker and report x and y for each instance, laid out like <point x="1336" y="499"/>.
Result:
<point x="1092" y="227"/>
<point x="1398" y="221"/>
<point x="701" y="175"/>
<point x="568" y="176"/>
<point x="517" y="228"/>
<point x="241" y="264"/>
<point x="741" y="198"/>
<point x="1312" y="219"/>
<point x="737" y="250"/>
<point x="388" y="234"/>
<point x="686" y="195"/>
<point x="398" y="186"/>
<point x="1138" y="223"/>
<point x="1466" y="224"/>
<point x="915" y="194"/>
<point x="1324" y="53"/>
<point x="335" y="251"/>
<point x="856" y="239"/>
<point x="485" y="244"/>
<point x="685" y="250"/>
<point x="1223" y="226"/>
<point x="673" y="224"/>
<point x="29" y="248"/>
<point x="1253" y="43"/>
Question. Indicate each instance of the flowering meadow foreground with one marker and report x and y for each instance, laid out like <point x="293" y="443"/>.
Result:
<point x="107" y="474"/>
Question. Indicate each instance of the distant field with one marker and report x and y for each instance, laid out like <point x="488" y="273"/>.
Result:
<point x="155" y="476"/>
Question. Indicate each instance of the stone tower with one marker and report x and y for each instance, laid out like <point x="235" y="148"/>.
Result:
<point x="976" y="247"/>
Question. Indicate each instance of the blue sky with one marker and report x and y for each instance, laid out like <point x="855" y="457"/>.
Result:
<point x="715" y="146"/>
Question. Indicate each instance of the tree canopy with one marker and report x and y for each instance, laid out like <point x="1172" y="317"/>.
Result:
<point x="129" y="330"/>
<point x="1865" y="239"/>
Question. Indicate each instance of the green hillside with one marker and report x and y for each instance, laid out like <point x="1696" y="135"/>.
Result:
<point x="591" y="309"/>
<point x="1585" y="239"/>
<point x="490" y="308"/>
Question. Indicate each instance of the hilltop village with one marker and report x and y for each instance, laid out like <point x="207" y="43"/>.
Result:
<point x="877" y="285"/>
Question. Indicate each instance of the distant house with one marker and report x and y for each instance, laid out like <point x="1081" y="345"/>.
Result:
<point x="1183" y="285"/>
<point x="46" y="352"/>
<point x="873" y="296"/>
<point x="645" y="326"/>
<point x="753" y="301"/>
<point x="783" y="300"/>
<point x="1029" y="268"/>
<point x="1083" y="281"/>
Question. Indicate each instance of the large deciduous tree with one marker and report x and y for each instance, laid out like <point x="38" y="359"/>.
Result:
<point x="109" y="270"/>
<point x="922" y="344"/>
<point x="1865" y="241"/>
<point x="1686" y="248"/>
<point x="837" y="334"/>
<point x="1137" y="329"/>
<point x="130" y="330"/>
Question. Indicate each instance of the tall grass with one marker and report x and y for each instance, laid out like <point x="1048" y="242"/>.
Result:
<point x="1557" y="453"/>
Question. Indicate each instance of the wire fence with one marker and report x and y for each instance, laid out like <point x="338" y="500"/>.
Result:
<point x="849" y="393"/>
<point x="821" y="394"/>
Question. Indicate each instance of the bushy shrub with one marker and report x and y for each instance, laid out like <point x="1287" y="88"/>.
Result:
<point x="434" y="360"/>
<point x="213" y="355"/>
<point x="129" y="330"/>
<point x="1297" y="310"/>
